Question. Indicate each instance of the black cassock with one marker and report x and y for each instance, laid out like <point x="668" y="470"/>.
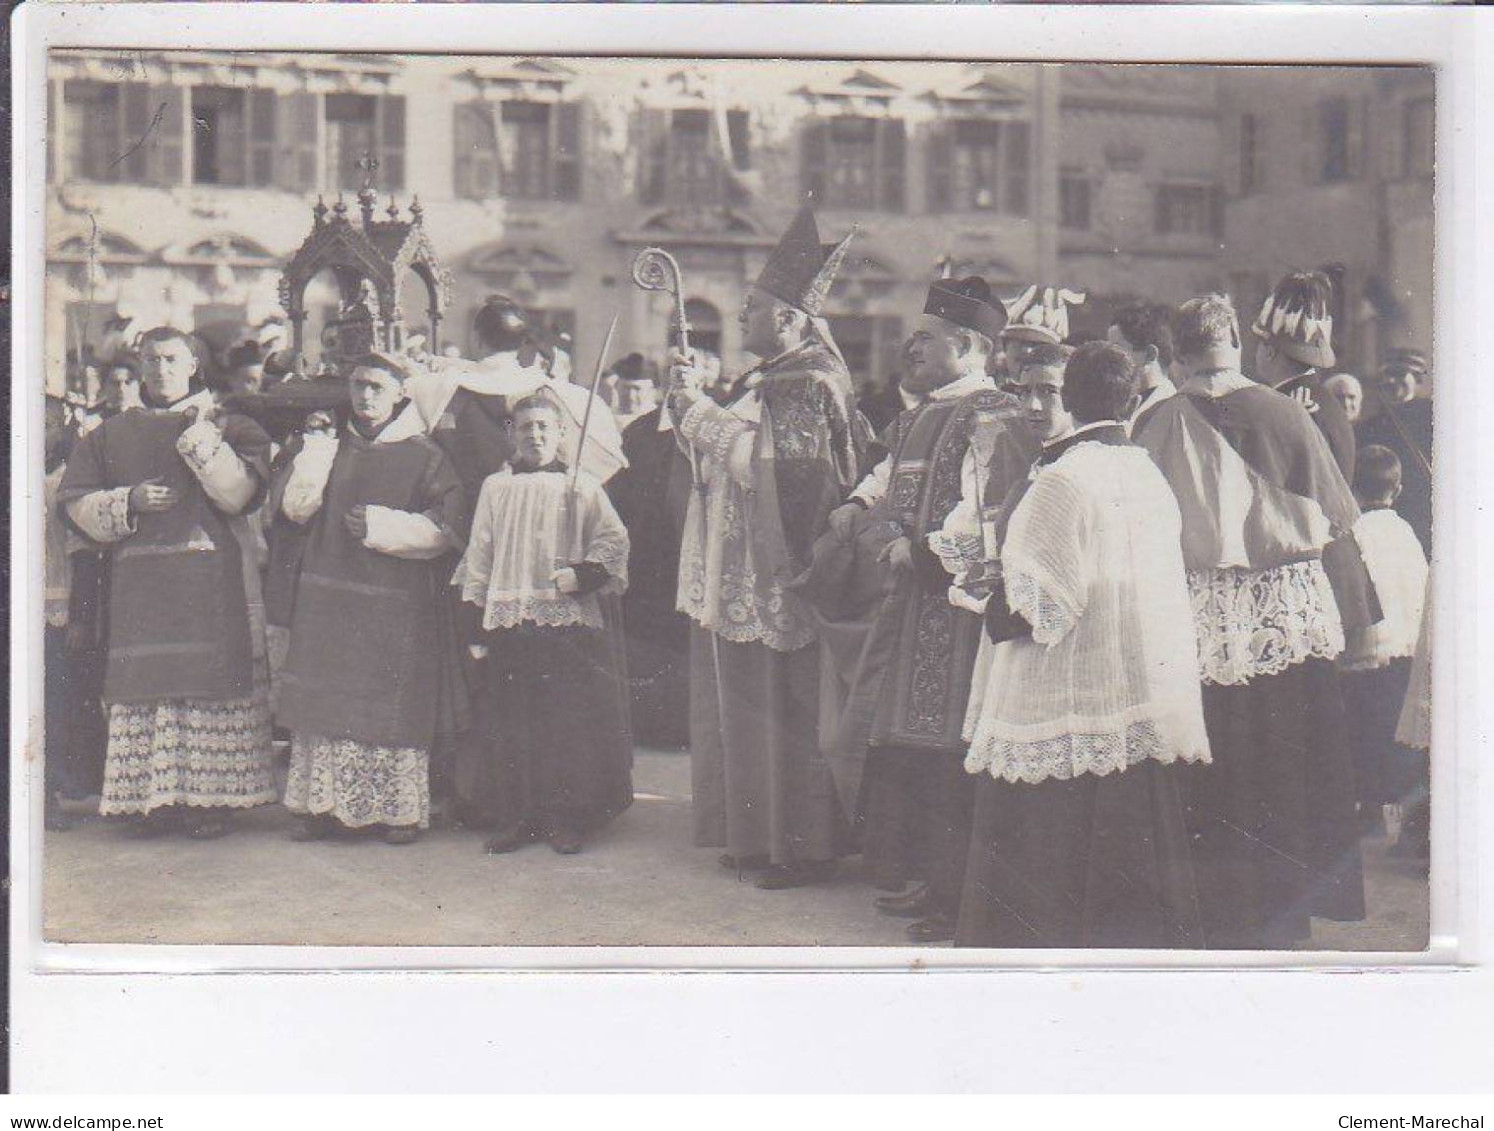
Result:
<point x="651" y="496"/>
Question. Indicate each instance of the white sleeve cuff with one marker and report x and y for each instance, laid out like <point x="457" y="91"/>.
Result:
<point x="403" y="534"/>
<point x="104" y="515"/>
<point x="217" y="466"/>
<point x="310" y="471"/>
<point x="960" y="599"/>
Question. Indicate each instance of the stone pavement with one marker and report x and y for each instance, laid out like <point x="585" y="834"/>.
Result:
<point x="640" y="883"/>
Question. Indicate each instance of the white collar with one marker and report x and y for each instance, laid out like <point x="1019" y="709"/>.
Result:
<point x="202" y="400"/>
<point x="1158" y="392"/>
<point x="409" y="423"/>
<point x="963" y="387"/>
<point x="1081" y="430"/>
<point x="1217" y="383"/>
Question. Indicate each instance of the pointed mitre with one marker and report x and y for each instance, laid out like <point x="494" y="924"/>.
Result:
<point x="800" y="269"/>
<point x="1297" y="319"/>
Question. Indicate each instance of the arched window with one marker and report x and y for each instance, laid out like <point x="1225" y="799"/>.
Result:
<point x="705" y="325"/>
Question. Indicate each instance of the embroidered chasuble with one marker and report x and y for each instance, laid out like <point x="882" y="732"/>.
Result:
<point x="363" y="662"/>
<point x="912" y="681"/>
<point x="178" y="615"/>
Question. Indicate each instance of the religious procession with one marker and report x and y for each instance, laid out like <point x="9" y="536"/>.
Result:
<point x="1092" y="644"/>
<point x="1007" y="609"/>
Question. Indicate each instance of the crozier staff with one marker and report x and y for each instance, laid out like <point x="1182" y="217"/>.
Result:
<point x="771" y="466"/>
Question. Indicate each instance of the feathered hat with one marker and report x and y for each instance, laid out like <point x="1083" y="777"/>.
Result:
<point x="969" y="303"/>
<point x="1410" y="361"/>
<point x="1297" y="320"/>
<point x="800" y="269"/>
<point x="1041" y="314"/>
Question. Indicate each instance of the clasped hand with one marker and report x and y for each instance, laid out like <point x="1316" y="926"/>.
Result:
<point x="152" y="497"/>
<point x="356" y="520"/>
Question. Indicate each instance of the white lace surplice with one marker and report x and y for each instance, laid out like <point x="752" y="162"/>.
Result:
<point x="1110" y="675"/>
<point x="520" y="538"/>
<point x="719" y="587"/>
<point x="1398" y="568"/>
<point x="1260" y="622"/>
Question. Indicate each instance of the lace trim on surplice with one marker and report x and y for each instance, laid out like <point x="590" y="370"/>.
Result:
<point x="1254" y="623"/>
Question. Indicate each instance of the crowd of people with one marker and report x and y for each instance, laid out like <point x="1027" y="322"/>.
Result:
<point x="1090" y="644"/>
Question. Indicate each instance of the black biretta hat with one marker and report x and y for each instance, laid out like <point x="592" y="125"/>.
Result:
<point x="969" y="303"/>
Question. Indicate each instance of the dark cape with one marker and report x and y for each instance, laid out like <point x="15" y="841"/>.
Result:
<point x="178" y="616"/>
<point x="1330" y="418"/>
<point x="651" y="495"/>
<point x="364" y="660"/>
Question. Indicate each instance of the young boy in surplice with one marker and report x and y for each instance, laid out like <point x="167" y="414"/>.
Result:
<point x="552" y="757"/>
<point x="1377" y="659"/>
<point x="380" y="504"/>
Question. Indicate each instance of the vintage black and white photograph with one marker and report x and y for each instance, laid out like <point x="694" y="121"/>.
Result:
<point x="603" y="502"/>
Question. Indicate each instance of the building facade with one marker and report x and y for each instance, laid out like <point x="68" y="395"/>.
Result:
<point x="1333" y="171"/>
<point x="180" y="182"/>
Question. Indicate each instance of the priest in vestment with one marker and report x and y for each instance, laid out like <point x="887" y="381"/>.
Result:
<point x="551" y="756"/>
<point x="1276" y="580"/>
<point x="1084" y="706"/>
<point x="380" y="504"/>
<point x="897" y="750"/>
<point x="186" y="686"/>
<point x="770" y="464"/>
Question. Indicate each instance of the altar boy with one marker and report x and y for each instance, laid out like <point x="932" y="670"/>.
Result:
<point x="552" y="757"/>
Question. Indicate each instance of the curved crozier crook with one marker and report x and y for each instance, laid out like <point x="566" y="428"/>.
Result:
<point x="655" y="269"/>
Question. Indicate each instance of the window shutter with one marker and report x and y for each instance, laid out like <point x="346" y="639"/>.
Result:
<point x="1234" y="155"/>
<point x="812" y="166"/>
<point x="1162" y="219"/>
<point x="261" y="137"/>
<point x="133" y="161"/>
<point x="739" y="139"/>
<point x="894" y="161"/>
<point x="1017" y="167"/>
<point x="567" y="151"/>
<point x="164" y="148"/>
<point x="1217" y="210"/>
<point x="297" y="137"/>
<point x="464" y="151"/>
<point x="1313" y="154"/>
<point x="939" y="153"/>
<point x="390" y="112"/>
<point x="1357" y="116"/>
<point x="653" y="156"/>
